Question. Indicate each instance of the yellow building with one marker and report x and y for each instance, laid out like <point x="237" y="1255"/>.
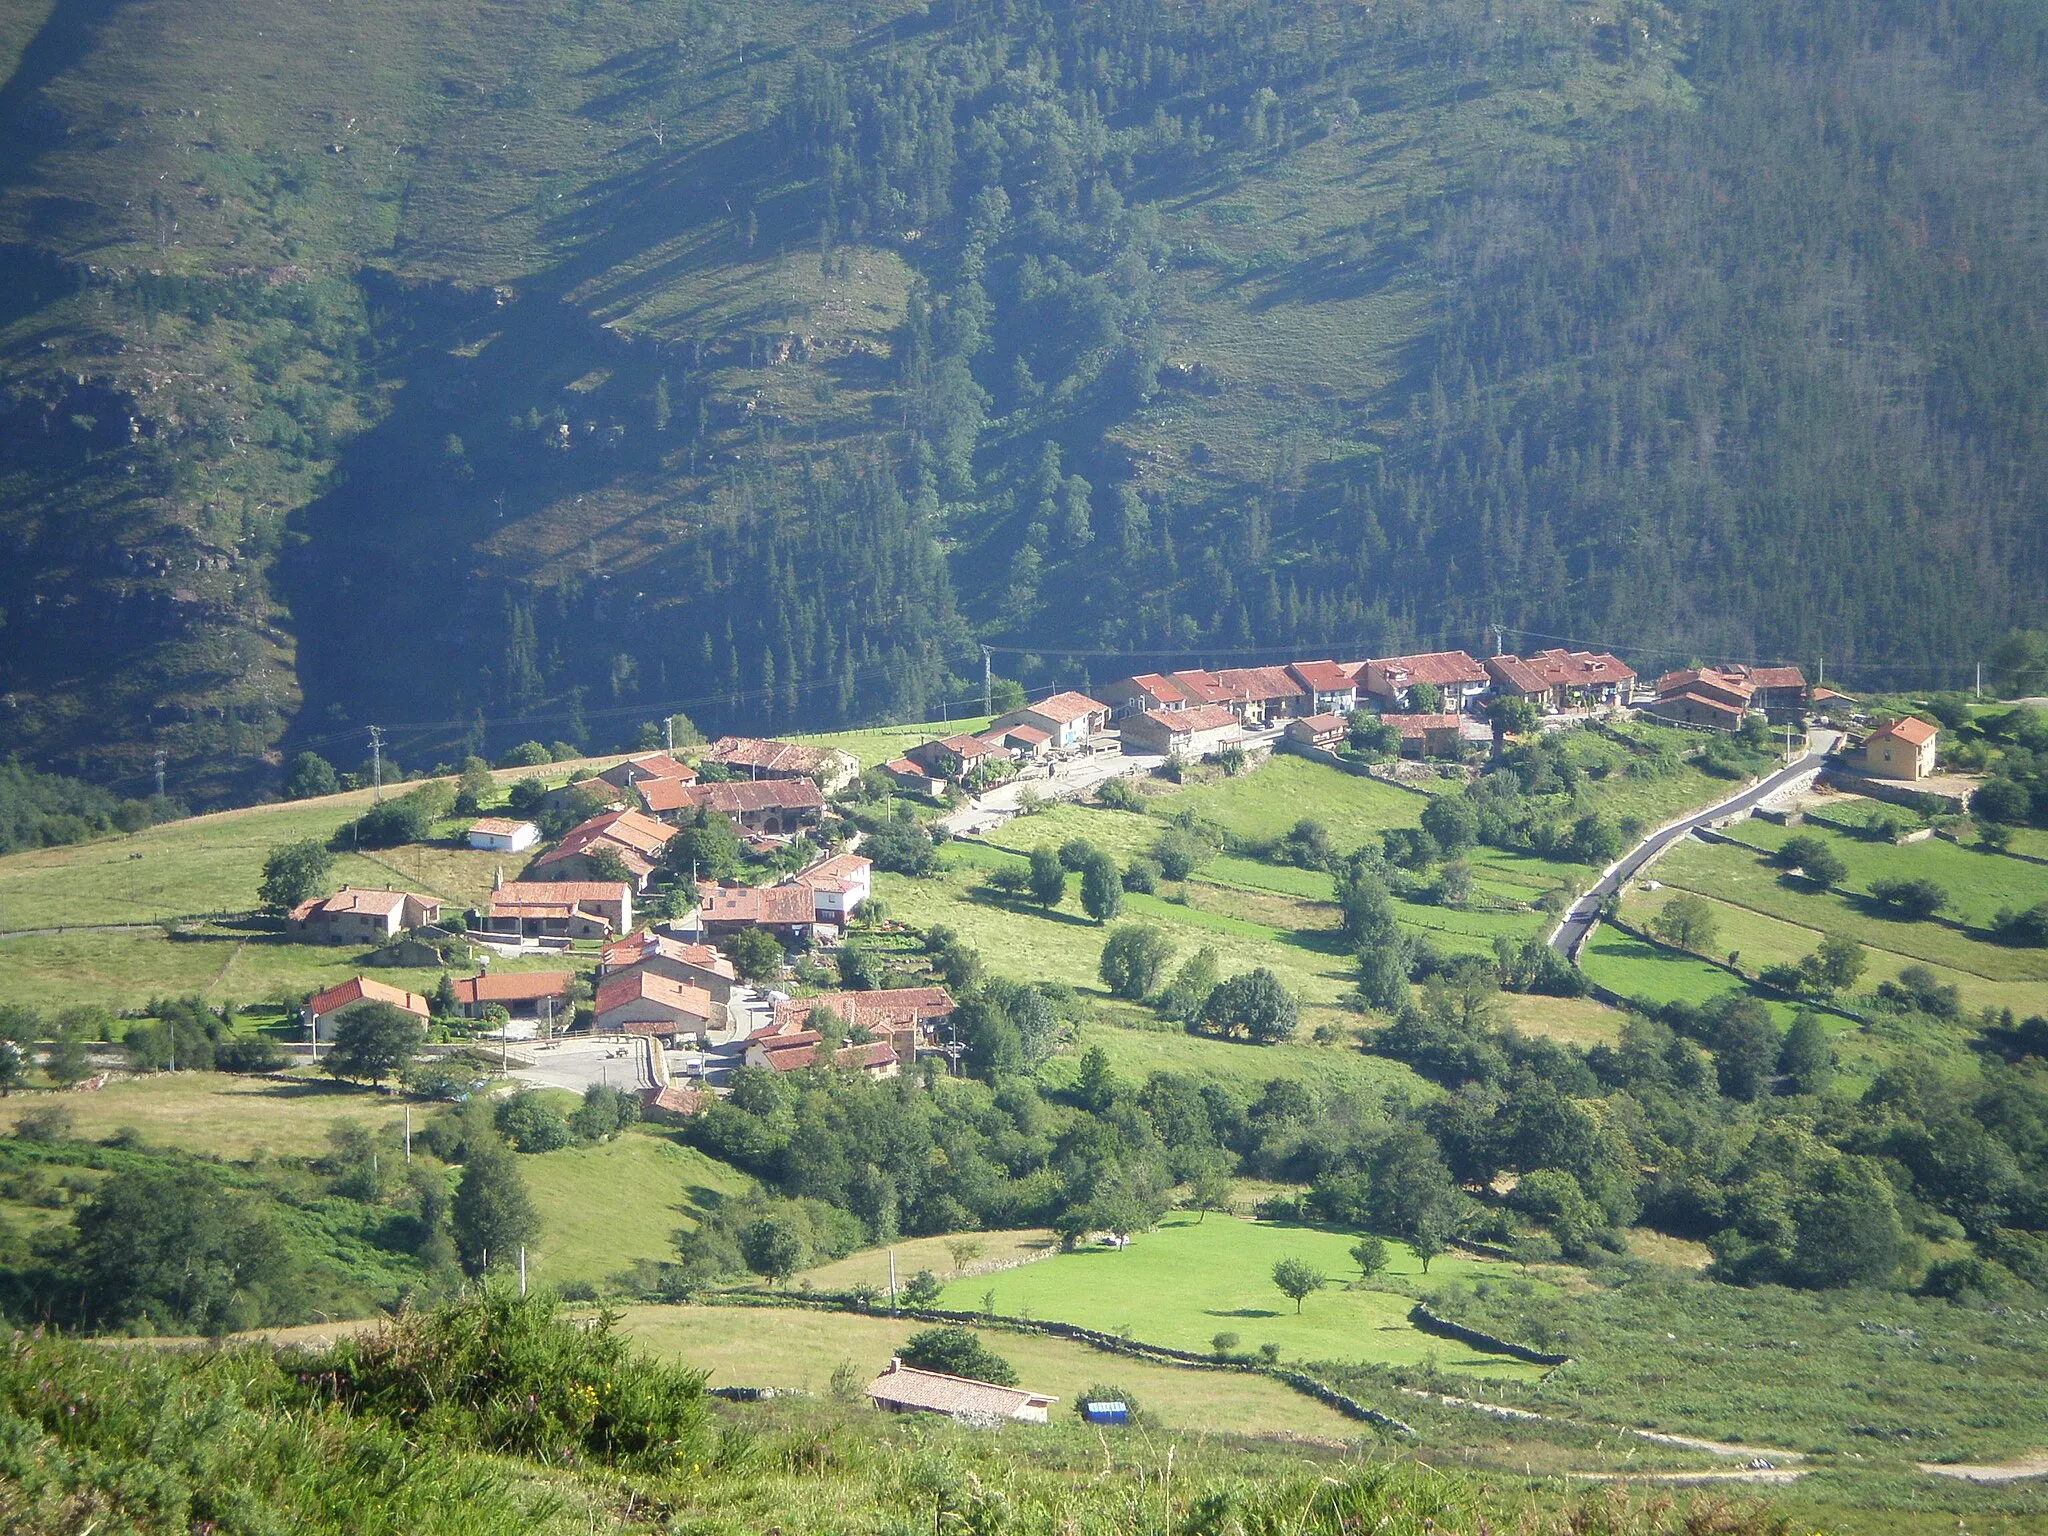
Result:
<point x="1902" y="750"/>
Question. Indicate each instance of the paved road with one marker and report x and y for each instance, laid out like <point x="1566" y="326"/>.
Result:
<point x="575" y="1064"/>
<point x="1585" y="912"/>
<point x="1073" y="778"/>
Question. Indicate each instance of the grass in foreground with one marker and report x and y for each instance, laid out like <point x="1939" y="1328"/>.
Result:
<point x="1190" y="1279"/>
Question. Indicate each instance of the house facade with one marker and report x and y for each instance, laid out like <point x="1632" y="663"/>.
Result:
<point x="647" y="766"/>
<point x="352" y="916"/>
<point x="1188" y="734"/>
<point x="522" y="994"/>
<point x="792" y="1053"/>
<point x="1557" y="681"/>
<point x="1262" y="695"/>
<point x="567" y="909"/>
<point x="959" y="757"/>
<point x="321" y="1006"/>
<point x="1387" y="679"/>
<point x="1904" y="749"/>
<point x="498" y="834"/>
<point x="1332" y="690"/>
<point x="760" y="758"/>
<point x="1325" y="731"/>
<point x="635" y="837"/>
<point x="640" y="1002"/>
<point x="837" y="885"/>
<point x="913" y="778"/>
<point x="776" y="807"/>
<point x="1068" y="719"/>
<point x="1439" y="735"/>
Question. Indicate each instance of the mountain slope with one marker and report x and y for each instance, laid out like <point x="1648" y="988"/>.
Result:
<point x="501" y="372"/>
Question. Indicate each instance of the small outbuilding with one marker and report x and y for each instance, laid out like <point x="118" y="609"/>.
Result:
<point x="499" y="834"/>
<point x="906" y="1389"/>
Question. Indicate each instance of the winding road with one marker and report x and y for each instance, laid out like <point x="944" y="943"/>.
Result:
<point x="1584" y="914"/>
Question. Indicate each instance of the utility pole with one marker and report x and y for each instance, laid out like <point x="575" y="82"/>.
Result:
<point x="408" y="1135"/>
<point x="987" y="685"/>
<point x="1979" y="691"/>
<point x="159" y="761"/>
<point x="668" y="733"/>
<point x="522" y="1269"/>
<point x="1499" y="640"/>
<point x="892" y="1282"/>
<point x="377" y="761"/>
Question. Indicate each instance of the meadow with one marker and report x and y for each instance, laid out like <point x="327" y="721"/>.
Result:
<point x="603" y="1208"/>
<point x="1192" y="1277"/>
<point x="802" y="1348"/>
<point x="222" y="1114"/>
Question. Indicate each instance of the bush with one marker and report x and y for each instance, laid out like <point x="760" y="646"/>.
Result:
<point x="957" y="1352"/>
<point x="1133" y="959"/>
<point x="1120" y="794"/>
<point x="532" y="1124"/>
<point x="252" y="1053"/>
<point x="502" y="1372"/>
<point x="2027" y="929"/>
<point x="900" y="846"/>
<point x="1916" y="900"/>
<point x="1141" y="876"/>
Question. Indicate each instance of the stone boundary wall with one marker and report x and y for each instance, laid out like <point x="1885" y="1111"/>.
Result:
<point x="1109" y="1343"/>
<point x="1430" y="1322"/>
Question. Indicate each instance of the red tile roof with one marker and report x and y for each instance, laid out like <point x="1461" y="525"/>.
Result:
<point x="884" y="1009"/>
<point x="1068" y="707"/>
<point x="524" y="895"/>
<point x="369" y="903"/>
<point x="637" y="837"/>
<point x="1441" y="668"/>
<point x="511" y="986"/>
<point x="1202" y="688"/>
<point x="651" y="765"/>
<point x="648" y="945"/>
<point x="792" y="1052"/>
<point x="359" y="989"/>
<point x="1418" y="726"/>
<point x="1029" y="734"/>
<point x="1776" y="677"/>
<point x="834" y="873"/>
<point x="662" y="795"/>
<point x="756" y="903"/>
<point x="743" y="796"/>
<point x="1321" y="676"/>
<point x="650" y="986"/>
<point x="1197" y="717"/>
<point x="1912" y="729"/>
<point x="766" y="756"/>
<point x="1704" y="696"/>
<point x="675" y="1098"/>
<point x="1259" y="684"/>
<point x="1553" y="668"/>
<point x="1732" y="686"/>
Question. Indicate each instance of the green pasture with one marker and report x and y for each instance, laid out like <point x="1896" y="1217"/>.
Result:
<point x="1636" y="968"/>
<point x="222" y="1114"/>
<point x="604" y="1207"/>
<point x="1263" y="804"/>
<point x="1144" y="1045"/>
<point x="1978" y="882"/>
<point x="881" y="743"/>
<point x="802" y="1347"/>
<point x="1192" y="1278"/>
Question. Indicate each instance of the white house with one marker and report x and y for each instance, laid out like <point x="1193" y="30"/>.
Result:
<point x="497" y="835"/>
<point x="1068" y="718"/>
<point x="838" y="885"/>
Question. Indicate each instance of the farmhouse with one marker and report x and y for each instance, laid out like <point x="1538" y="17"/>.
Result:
<point x="648" y="767"/>
<point x="1325" y="731"/>
<point x="1189" y="733"/>
<point x="1332" y="690"/>
<point x="1069" y="719"/>
<point x="351" y="916"/>
<point x="567" y="909"/>
<point x="1457" y="675"/>
<point x="639" y="1002"/>
<point x="522" y="994"/>
<point x="1555" y="680"/>
<point x="837" y="885"/>
<point x="906" y="1389"/>
<point x="790" y="912"/>
<point x="1263" y="694"/>
<point x="770" y="806"/>
<point x="761" y="759"/>
<point x="359" y="989"/>
<point x="1904" y="749"/>
<point x="497" y="834"/>
<point x="913" y="778"/>
<point x="1706" y="697"/>
<point x="1030" y="743"/>
<point x="636" y="839"/>
<point x="585" y="797"/>
<point x="1428" y="735"/>
<point x="909" y="1018"/>
<point x="1148" y="690"/>
<point x="697" y="965"/>
<point x="790" y="1053"/>
<point x="959" y="757"/>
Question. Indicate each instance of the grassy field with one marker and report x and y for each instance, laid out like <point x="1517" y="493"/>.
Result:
<point x="604" y="1207"/>
<point x="871" y="1265"/>
<point x="1136" y="1052"/>
<point x="222" y="1114"/>
<point x="760" y="1346"/>
<point x="1192" y="1278"/>
<point x="1264" y="804"/>
<point x="881" y="743"/>
<point x="1636" y="968"/>
<point x="1978" y="882"/>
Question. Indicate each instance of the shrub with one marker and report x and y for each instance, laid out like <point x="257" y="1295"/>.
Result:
<point x="1141" y="876"/>
<point x="2028" y="928"/>
<point x="1917" y="900"/>
<point x="957" y="1352"/>
<point x="506" y="1373"/>
<point x="1120" y="794"/>
<point x="1133" y="959"/>
<point x="251" y="1053"/>
<point x="532" y="1124"/>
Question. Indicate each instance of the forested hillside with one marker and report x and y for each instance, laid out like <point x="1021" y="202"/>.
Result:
<point x="525" y="371"/>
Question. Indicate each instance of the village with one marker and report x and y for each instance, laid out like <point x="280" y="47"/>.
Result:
<point x="698" y="974"/>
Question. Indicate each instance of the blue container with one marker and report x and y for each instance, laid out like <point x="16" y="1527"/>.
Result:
<point x="1105" y="1413"/>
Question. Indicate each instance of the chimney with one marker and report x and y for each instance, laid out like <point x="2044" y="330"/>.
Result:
<point x="895" y="1365"/>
